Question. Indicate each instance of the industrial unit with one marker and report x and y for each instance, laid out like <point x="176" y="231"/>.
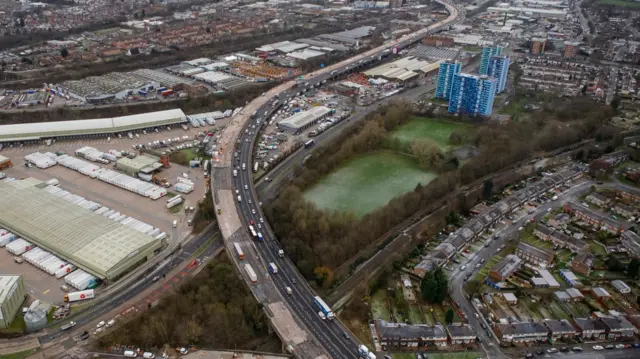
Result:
<point x="303" y="120"/>
<point x="42" y="130"/>
<point x="146" y="164"/>
<point x="12" y="295"/>
<point x="404" y="69"/>
<point x="102" y="247"/>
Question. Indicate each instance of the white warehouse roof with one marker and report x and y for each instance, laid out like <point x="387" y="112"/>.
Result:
<point x="29" y="131"/>
<point x="304" y="118"/>
<point x="100" y="246"/>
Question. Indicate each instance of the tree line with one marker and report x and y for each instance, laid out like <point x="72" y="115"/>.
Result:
<point x="214" y="310"/>
<point x="316" y="238"/>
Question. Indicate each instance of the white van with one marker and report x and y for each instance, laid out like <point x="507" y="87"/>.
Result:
<point x="130" y="354"/>
<point x="148" y="355"/>
<point x="175" y="223"/>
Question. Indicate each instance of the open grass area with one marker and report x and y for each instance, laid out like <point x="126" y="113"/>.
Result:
<point x="379" y="307"/>
<point x="17" y="326"/>
<point x="20" y="355"/>
<point x="597" y="249"/>
<point x="621" y="3"/>
<point x="368" y="182"/>
<point x="438" y="131"/>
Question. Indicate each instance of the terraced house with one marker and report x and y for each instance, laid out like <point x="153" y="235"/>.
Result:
<point x="534" y="255"/>
<point x="559" y="238"/>
<point x="417" y="336"/>
<point x="631" y="241"/>
<point x="521" y="332"/>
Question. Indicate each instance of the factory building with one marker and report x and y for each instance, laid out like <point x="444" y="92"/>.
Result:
<point x="305" y="119"/>
<point x="106" y="126"/>
<point x="98" y="245"/>
<point x="112" y="86"/>
<point x="404" y="69"/>
<point x="12" y="295"/>
<point x="487" y="53"/>
<point x="141" y="166"/>
<point x="446" y="74"/>
<point x="472" y="94"/>
<point x="499" y="68"/>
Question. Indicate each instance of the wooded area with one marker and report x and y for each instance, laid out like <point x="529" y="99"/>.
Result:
<point x="213" y="310"/>
<point x="315" y="238"/>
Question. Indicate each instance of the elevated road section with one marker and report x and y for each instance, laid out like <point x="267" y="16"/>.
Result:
<point x="287" y="298"/>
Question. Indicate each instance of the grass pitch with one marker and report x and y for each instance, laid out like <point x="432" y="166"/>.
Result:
<point x="368" y="182"/>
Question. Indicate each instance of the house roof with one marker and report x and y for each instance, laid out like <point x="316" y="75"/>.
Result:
<point x="562" y="295"/>
<point x="617" y="323"/>
<point x="460" y="331"/>
<point x="600" y="292"/>
<point x="407" y="331"/>
<point x="574" y="293"/>
<point x="559" y="326"/>
<point x="507" y="265"/>
<point x="534" y="251"/>
<point x="588" y="324"/>
<point x="586" y="259"/>
<point x="521" y="328"/>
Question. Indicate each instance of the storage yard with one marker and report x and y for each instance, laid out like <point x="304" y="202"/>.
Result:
<point x="301" y="119"/>
<point x="98" y="179"/>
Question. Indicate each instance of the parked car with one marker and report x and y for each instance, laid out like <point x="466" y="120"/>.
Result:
<point x="598" y="347"/>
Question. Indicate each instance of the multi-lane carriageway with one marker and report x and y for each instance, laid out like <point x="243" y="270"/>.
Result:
<point x="294" y="317"/>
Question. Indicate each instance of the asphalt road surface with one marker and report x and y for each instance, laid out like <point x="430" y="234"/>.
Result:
<point x="488" y="341"/>
<point x="142" y="282"/>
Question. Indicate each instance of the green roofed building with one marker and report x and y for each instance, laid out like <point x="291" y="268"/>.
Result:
<point x="12" y="295"/>
<point x="144" y="163"/>
<point x="100" y="246"/>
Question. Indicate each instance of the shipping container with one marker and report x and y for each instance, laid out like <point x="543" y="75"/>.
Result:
<point x="78" y="296"/>
<point x="7" y="238"/>
<point x="19" y="246"/>
<point x="174" y="203"/>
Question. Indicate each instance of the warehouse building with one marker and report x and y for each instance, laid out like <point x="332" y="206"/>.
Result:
<point x="404" y="69"/>
<point x="106" y="126"/>
<point x="305" y="119"/>
<point x="112" y="86"/>
<point x="143" y="164"/>
<point x="164" y="79"/>
<point x="12" y="295"/>
<point x="102" y="247"/>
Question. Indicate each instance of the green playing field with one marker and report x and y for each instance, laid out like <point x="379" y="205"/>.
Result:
<point x="368" y="182"/>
